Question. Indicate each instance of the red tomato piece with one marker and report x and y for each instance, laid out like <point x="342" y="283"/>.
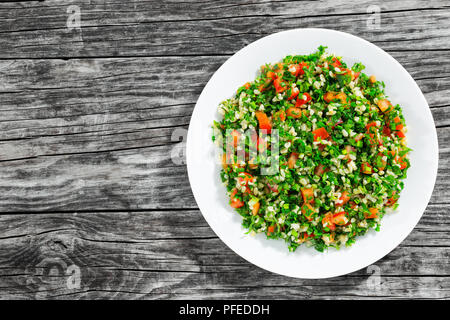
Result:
<point x="280" y="85"/>
<point x="263" y="120"/>
<point x="294" y="93"/>
<point x="336" y="63"/>
<point x="301" y="101"/>
<point x="294" y="112"/>
<point x="343" y="199"/>
<point x="281" y="114"/>
<point x="320" y="133"/>
<point x="308" y="195"/>
<point x="340" y="218"/>
<point x="235" y="202"/>
<point x="373" y="213"/>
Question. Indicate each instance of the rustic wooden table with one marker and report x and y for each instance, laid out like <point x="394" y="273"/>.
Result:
<point x="93" y="98"/>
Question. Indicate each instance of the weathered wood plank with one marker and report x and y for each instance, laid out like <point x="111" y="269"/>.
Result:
<point x="95" y="181"/>
<point x="108" y="104"/>
<point x="123" y="180"/>
<point x="97" y="133"/>
<point x="174" y="254"/>
<point x="149" y="28"/>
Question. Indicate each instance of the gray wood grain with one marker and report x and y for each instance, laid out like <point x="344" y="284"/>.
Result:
<point x="96" y="134"/>
<point x="174" y="254"/>
<point x="90" y="117"/>
<point x="208" y="27"/>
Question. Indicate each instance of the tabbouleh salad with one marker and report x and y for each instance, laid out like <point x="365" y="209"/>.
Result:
<point x="342" y="151"/>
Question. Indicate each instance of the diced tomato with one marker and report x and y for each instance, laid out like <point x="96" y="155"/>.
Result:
<point x="308" y="195"/>
<point x="304" y="65"/>
<point x="319" y="170"/>
<point x="354" y="75"/>
<point x="255" y="208"/>
<point x="320" y="133"/>
<point x="327" y="221"/>
<point x="244" y="178"/>
<point x="292" y="160"/>
<point x="235" y="202"/>
<point x="336" y="63"/>
<point x="308" y="211"/>
<point x="280" y="114"/>
<point x="384" y="105"/>
<point x="301" y="101"/>
<point x="366" y="168"/>
<point x="373" y="213"/>
<point x="400" y="160"/>
<point x="271" y="75"/>
<point x="370" y="125"/>
<point x="295" y="70"/>
<point x="263" y="120"/>
<point x="386" y="131"/>
<point x="270" y="230"/>
<point x="398" y="122"/>
<point x="392" y="200"/>
<point x="247" y="85"/>
<point x="403" y="164"/>
<point x="330" y="96"/>
<point x="343" y="199"/>
<point x="340" y="218"/>
<point x="294" y="93"/>
<point x="280" y="85"/>
<point x="400" y="134"/>
<point x="341" y="96"/>
<point x="294" y="112"/>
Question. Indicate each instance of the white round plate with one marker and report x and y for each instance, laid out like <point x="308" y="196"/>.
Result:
<point x="273" y="255"/>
